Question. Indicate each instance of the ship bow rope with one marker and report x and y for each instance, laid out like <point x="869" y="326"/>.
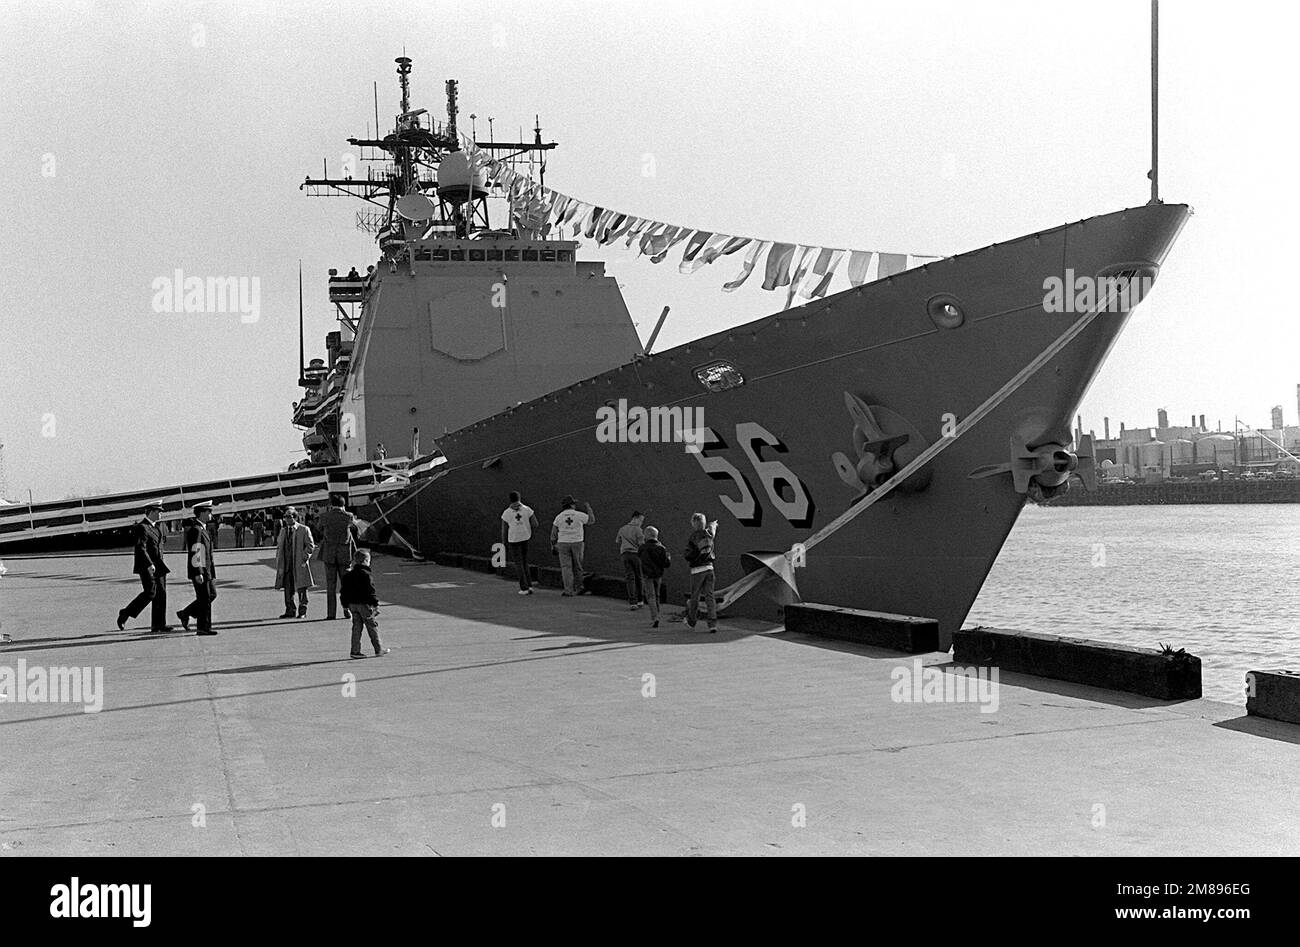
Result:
<point x="784" y="569"/>
<point x="805" y="272"/>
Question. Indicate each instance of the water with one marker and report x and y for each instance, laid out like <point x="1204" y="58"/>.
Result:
<point x="1220" y="581"/>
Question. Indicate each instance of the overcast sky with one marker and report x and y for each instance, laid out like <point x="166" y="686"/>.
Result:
<point x="144" y="138"/>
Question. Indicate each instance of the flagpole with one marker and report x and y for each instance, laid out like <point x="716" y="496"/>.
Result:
<point x="1155" y="102"/>
<point x="302" y="364"/>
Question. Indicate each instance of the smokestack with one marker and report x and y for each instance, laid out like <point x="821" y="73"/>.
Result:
<point x="1105" y="426"/>
<point x="1202" y="422"/>
<point x="1162" y="418"/>
<point x="1193" y="420"/>
<point x="1078" y="426"/>
<point x="1277" y="417"/>
<point x="1121" y="428"/>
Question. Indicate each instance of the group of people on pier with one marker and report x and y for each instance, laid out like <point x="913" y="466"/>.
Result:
<point x="347" y="570"/>
<point x="349" y="582"/>
<point x="645" y="558"/>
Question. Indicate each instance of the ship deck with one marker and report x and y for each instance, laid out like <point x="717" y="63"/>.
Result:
<point x="529" y="711"/>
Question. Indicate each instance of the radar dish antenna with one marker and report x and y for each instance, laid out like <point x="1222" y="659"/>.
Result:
<point x="415" y="207"/>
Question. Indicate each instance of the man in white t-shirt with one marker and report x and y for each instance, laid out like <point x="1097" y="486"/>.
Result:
<point x="567" y="536"/>
<point x="517" y="524"/>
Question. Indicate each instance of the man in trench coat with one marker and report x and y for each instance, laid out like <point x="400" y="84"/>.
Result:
<point x="293" y="563"/>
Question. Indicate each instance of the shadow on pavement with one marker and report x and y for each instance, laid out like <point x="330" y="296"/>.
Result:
<point x="1263" y="727"/>
<point x="319" y="685"/>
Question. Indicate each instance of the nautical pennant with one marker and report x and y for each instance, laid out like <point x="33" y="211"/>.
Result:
<point x="748" y="267"/>
<point x="806" y="270"/>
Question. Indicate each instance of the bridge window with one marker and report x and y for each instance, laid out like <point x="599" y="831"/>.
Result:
<point x="494" y="255"/>
<point x="530" y="256"/>
<point x="458" y="255"/>
<point x="512" y="256"/>
<point x="476" y="256"/>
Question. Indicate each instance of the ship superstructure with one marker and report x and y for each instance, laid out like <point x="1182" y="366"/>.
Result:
<point x="459" y="319"/>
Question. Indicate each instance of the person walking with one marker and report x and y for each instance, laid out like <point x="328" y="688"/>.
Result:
<point x="237" y="520"/>
<point x="629" y="539"/>
<point x="339" y="536"/>
<point x="361" y="599"/>
<point x="258" y="525"/>
<point x="654" y="563"/>
<point x="151" y="569"/>
<point x="214" y="528"/>
<point x="293" y="563"/>
<point x="517" y="524"/>
<point x="202" y="571"/>
<point x="700" y="557"/>
<point x="567" y="532"/>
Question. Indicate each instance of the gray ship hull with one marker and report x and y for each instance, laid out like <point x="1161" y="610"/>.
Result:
<point x="768" y="474"/>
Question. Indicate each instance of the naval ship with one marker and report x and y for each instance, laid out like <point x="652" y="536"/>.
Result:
<point x="954" y="373"/>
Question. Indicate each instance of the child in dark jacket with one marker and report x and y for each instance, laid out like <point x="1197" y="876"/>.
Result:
<point x="357" y="592"/>
<point x="654" y="563"/>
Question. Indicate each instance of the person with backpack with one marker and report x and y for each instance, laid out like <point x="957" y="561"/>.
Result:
<point x="654" y="562"/>
<point x="700" y="556"/>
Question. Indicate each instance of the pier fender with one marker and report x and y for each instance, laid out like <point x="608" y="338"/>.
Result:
<point x="778" y="566"/>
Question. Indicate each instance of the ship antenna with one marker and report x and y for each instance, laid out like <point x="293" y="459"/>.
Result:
<point x="376" y="108"/>
<point x="537" y="139"/>
<point x="1154" y="174"/>
<point x="302" y="364"/>
<point x="404" y="73"/>
<point x="451" y="115"/>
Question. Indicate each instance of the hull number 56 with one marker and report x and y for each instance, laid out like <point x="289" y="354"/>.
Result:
<point x="783" y="488"/>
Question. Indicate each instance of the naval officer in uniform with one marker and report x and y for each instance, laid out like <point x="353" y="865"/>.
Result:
<point x="151" y="569"/>
<point x="201" y="569"/>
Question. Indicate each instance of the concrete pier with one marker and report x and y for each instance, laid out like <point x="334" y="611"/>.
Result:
<point x="508" y="724"/>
